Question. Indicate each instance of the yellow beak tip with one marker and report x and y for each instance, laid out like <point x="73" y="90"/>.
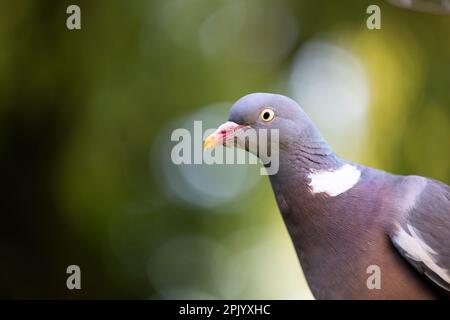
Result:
<point x="209" y="143"/>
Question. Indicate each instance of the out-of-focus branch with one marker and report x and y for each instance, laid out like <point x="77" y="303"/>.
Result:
<point x="429" y="6"/>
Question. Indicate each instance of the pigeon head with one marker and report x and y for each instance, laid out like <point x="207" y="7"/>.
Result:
<point x="267" y="112"/>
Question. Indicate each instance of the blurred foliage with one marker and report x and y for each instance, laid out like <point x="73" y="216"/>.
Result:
<point x="81" y="112"/>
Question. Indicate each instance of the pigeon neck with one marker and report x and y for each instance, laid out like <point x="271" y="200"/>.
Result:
<point x="308" y="155"/>
<point x="298" y="161"/>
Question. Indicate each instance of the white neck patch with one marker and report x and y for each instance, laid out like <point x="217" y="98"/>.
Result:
<point x="334" y="182"/>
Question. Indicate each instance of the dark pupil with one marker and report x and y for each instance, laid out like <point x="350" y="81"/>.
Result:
<point x="266" y="115"/>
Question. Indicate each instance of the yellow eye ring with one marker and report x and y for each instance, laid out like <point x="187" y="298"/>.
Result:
<point x="267" y="115"/>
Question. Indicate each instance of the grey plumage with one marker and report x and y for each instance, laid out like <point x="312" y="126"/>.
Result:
<point x="401" y="224"/>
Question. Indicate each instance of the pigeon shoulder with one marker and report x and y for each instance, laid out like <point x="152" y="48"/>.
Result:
<point x="423" y="199"/>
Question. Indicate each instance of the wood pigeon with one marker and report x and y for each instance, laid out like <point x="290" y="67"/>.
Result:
<point x="345" y="219"/>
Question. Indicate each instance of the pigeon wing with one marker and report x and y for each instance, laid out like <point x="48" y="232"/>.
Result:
<point x="423" y="236"/>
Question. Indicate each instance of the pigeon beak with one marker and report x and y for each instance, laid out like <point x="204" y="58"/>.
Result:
<point x="223" y="134"/>
<point x="210" y="142"/>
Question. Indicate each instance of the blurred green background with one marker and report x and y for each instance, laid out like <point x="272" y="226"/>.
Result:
<point x="86" y="117"/>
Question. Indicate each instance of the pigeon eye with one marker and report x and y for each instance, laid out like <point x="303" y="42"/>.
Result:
<point x="267" y="115"/>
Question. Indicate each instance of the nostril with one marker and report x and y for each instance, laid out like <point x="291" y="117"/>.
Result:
<point x="223" y="133"/>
